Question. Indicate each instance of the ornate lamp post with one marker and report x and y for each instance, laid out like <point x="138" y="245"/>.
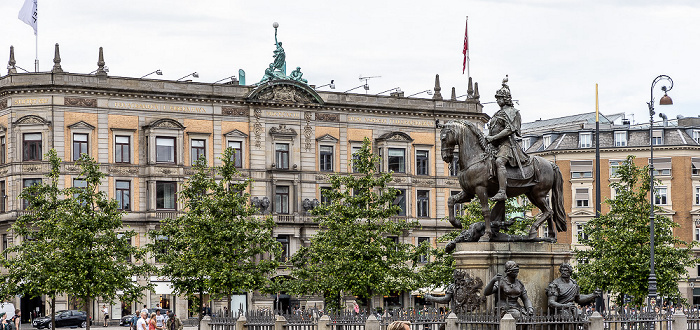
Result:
<point x="665" y="100"/>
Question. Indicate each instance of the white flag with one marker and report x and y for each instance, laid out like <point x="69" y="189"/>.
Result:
<point x="28" y="13"/>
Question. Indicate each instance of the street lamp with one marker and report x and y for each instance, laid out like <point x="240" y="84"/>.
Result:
<point x="193" y="74"/>
<point x="157" y="72"/>
<point x="665" y="100"/>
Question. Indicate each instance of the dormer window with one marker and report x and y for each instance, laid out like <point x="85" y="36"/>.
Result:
<point x="621" y="139"/>
<point x="585" y="140"/>
<point x="657" y="137"/>
<point x="546" y="141"/>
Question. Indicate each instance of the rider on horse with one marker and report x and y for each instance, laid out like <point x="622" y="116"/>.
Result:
<point x="504" y="127"/>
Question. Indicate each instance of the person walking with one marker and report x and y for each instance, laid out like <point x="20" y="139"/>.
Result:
<point x="173" y="322"/>
<point x="152" y="322"/>
<point x="142" y="323"/>
<point x="159" y="320"/>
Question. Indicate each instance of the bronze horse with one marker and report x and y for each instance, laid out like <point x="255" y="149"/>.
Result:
<point x="475" y="163"/>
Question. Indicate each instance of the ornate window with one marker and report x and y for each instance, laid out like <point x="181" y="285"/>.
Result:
<point x="123" y="194"/>
<point x="236" y="140"/>
<point x="423" y="203"/>
<point x="282" y="199"/>
<point x="422" y="162"/>
<point x="282" y="156"/>
<point x="325" y="158"/>
<point x="166" y="195"/>
<point x="122" y="149"/>
<point x="397" y="160"/>
<point x="80" y="145"/>
<point x="164" y="137"/>
<point x="31" y="145"/>
<point x="197" y="149"/>
<point x="400" y="201"/>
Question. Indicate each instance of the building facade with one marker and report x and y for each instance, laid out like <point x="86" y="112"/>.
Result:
<point x="570" y="143"/>
<point x="146" y="134"/>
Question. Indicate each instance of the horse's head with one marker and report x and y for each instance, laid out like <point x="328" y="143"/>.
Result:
<point x="448" y="139"/>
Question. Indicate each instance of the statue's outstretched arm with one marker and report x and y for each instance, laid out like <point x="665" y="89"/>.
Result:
<point x="587" y="298"/>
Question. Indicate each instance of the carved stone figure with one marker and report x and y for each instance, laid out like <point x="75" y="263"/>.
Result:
<point x="504" y="127"/>
<point x="564" y="293"/>
<point x="508" y="291"/>
<point x="478" y="175"/>
<point x="296" y="75"/>
<point x="463" y="294"/>
<point x="261" y="204"/>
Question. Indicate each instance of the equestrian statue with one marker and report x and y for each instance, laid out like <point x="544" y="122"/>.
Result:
<point x="495" y="166"/>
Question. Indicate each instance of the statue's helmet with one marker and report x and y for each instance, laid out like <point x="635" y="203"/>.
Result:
<point x="511" y="266"/>
<point x="504" y="92"/>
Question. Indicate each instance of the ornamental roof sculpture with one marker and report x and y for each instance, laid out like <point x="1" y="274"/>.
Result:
<point x="278" y="67"/>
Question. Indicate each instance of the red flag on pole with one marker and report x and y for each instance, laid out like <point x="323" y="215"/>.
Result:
<point x="465" y="51"/>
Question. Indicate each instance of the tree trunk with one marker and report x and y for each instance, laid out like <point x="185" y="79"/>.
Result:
<point x="88" y="308"/>
<point x="229" y="307"/>
<point x="200" y="307"/>
<point x="53" y="311"/>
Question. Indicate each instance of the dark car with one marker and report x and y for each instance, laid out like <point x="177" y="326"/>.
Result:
<point x="126" y="320"/>
<point x="64" y="318"/>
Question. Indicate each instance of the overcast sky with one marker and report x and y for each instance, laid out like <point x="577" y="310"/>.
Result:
<point x="554" y="51"/>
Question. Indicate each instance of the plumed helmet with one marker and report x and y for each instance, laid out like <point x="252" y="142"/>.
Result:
<point x="505" y="90"/>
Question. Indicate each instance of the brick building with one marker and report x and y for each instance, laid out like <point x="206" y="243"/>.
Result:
<point x="146" y="133"/>
<point x="570" y="142"/>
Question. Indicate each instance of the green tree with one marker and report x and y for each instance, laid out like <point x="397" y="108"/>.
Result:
<point x="617" y="257"/>
<point x="73" y="242"/>
<point x="34" y="264"/>
<point x="219" y="246"/>
<point x="95" y="243"/>
<point x="356" y="250"/>
<point x="438" y="272"/>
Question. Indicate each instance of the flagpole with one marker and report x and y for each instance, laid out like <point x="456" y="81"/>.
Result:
<point x="467" y="33"/>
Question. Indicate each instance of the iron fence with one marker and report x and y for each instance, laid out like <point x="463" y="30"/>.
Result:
<point x="479" y="320"/>
<point x="260" y="320"/>
<point x="301" y="320"/>
<point x="693" y="319"/>
<point x="347" y="321"/>
<point x="425" y="319"/>
<point x="223" y="323"/>
<point x="633" y="319"/>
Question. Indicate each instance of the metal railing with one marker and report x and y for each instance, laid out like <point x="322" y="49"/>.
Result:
<point x="347" y="321"/>
<point x="635" y="319"/>
<point x="260" y="320"/>
<point x="422" y="319"/>
<point x="479" y="320"/>
<point x="301" y="320"/>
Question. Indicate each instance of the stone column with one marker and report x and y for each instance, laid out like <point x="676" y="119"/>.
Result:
<point x="507" y="322"/>
<point x="597" y="322"/>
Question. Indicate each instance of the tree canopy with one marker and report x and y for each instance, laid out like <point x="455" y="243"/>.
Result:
<point x="74" y="242"/>
<point x="357" y="250"/>
<point x="219" y="246"/>
<point x="616" y="257"/>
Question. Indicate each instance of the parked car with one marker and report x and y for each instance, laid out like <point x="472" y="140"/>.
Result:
<point x="64" y="318"/>
<point x="125" y="321"/>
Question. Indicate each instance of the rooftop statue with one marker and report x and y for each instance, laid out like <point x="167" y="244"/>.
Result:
<point x="278" y="67"/>
<point x="495" y="166"/>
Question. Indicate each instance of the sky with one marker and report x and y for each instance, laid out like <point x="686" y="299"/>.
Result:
<point x="554" y="51"/>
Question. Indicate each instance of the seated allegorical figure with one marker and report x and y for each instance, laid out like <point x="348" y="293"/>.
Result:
<point x="564" y="293"/>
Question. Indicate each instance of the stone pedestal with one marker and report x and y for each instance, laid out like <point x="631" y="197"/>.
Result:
<point x="539" y="264"/>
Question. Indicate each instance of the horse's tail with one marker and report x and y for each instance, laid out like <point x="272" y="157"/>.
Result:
<point x="559" y="215"/>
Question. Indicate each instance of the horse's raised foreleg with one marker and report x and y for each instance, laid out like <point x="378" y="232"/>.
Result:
<point x="451" y="202"/>
<point x="486" y="212"/>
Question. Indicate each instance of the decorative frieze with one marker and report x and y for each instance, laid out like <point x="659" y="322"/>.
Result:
<point x="123" y="170"/>
<point x="231" y="111"/>
<point x="330" y="117"/>
<point x="80" y="102"/>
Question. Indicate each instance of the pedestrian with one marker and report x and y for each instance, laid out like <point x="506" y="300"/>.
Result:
<point x="159" y="320"/>
<point x="399" y="325"/>
<point x="173" y="322"/>
<point x="105" y="312"/>
<point x="145" y="310"/>
<point x="152" y="322"/>
<point x="3" y="321"/>
<point x="16" y="320"/>
<point x="142" y="323"/>
<point x="356" y="308"/>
